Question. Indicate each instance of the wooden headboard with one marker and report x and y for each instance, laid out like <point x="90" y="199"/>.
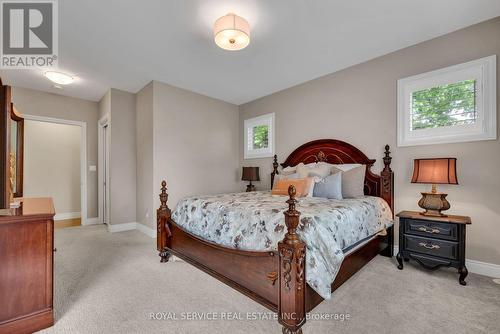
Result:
<point x="338" y="152"/>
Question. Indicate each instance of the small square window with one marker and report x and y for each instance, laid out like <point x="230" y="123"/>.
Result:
<point x="454" y="104"/>
<point x="259" y="137"/>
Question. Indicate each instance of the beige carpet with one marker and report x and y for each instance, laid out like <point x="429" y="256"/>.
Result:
<point x="110" y="283"/>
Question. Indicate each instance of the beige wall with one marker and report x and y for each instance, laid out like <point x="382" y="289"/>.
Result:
<point x="52" y="164"/>
<point x="195" y="144"/>
<point x="145" y="213"/>
<point x="120" y="107"/>
<point x="358" y="105"/>
<point x="105" y="105"/>
<point x="122" y="160"/>
<point x="32" y="102"/>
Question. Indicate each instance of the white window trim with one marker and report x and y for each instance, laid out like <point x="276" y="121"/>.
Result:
<point x="484" y="71"/>
<point x="250" y="123"/>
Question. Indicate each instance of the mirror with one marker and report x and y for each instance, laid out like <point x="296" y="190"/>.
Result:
<point x="16" y="152"/>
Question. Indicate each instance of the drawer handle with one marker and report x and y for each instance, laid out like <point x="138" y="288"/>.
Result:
<point x="423" y="244"/>
<point x="432" y="230"/>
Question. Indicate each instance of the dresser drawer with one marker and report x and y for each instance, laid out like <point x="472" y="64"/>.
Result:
<point x="431" y="229"/>
<point x="433" y="247"/>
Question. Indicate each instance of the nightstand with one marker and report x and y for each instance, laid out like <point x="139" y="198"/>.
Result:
<point x="433" y="241"/>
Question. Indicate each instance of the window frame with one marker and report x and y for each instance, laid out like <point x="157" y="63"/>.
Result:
<point x="483" y="71"/>
<point x="267" y="119"/>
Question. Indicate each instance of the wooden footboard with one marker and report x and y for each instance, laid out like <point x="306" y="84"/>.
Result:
<point x="251" y="273"/>
<point x="274" y="279"/>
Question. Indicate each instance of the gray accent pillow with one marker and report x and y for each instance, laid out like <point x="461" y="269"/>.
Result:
<point x="330" y="187"/>
<point x="353" y="181"/>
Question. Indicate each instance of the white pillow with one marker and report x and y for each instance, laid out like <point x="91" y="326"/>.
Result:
<point x="293" y="169"/>
<point x="319" y="170"/>
<point x="289" y="170"/>
<point x="345" y="167"/>
<point x="286" y="176"/>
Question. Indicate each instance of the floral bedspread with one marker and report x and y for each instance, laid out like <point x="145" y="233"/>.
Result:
<point x="255" y="221"/>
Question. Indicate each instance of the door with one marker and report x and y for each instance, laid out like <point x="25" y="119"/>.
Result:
<point x="105" y="174"/>
<point x="104" y="132"/>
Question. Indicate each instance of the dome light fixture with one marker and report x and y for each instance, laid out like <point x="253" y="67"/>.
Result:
<point x="59" y="78"/>
<point x="232" y="32"/>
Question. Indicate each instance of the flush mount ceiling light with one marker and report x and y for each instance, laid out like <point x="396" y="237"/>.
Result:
<point x="59" y="77"/>
<point x="232" y="32"/>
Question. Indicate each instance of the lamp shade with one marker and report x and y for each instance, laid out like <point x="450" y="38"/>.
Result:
<point x="435" y="171"/>
<point x="232" y="32"/>
<point x="250" y="174"/>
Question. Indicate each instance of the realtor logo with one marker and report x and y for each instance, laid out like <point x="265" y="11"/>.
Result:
<point x="29" y="34"/>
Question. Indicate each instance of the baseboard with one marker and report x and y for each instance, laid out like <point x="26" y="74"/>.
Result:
<point x="483" y="268"/>
<point x="476" y="267"/>
<point x="67" y="215"/>
<point x="132" y="226"/>
<point x="93" y="221"/>
<point x="150" y="232"/>
<point x="121" y="227"/>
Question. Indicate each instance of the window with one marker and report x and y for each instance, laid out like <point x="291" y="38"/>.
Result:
<point x="454" y="104"/>
<point x="259" y="137"/>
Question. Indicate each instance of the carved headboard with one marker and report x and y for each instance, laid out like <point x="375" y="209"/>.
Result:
<point x="338" y="152"/>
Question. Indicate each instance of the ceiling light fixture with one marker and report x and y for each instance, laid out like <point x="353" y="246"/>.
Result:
<point x="59" y="77"/>
<point x="232" y="32"/>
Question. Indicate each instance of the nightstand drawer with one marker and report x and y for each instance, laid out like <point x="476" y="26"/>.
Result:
<point x="431" y="229"/>
<point x="434" y="247"/>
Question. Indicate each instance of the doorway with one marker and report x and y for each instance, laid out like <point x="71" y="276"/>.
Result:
<point x="104" y="131"/>
<point x="55" y="165"/>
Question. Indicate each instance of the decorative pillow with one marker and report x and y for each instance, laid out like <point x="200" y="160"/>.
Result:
<point x="353" y="181"/>
<point x="346" y="167"/>
<point x="319" y="170"/>
<point x="289" y="170"/>
<point x="329" y="187"/>
<point x="302" y="186"/>
<point x="315" y="179"/>
<point x="286" y="176"/>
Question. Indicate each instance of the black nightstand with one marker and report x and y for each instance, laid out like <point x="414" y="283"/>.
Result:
<point x="433" y="241"/>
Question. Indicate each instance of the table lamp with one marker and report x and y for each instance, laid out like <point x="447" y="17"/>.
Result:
<point x="434" y="171"/>
<point x="250" y="174"/>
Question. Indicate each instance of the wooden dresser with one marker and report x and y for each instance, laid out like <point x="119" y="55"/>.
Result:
<point x="26" y="266"/>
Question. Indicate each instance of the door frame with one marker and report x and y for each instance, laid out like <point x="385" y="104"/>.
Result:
<point x="83" y="157"/>
<point x="103" y="122"/>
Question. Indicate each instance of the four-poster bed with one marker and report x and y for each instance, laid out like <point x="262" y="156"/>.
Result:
<point x="276" y="279"/>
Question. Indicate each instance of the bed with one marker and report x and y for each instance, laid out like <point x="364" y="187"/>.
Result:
<point x="279" y="271"/>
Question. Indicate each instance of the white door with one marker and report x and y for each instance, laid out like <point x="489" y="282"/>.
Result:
<point x="103" y="175"/>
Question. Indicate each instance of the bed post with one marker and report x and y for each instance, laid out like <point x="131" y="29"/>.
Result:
<point x="387" y="176"/>
<point x="387" y="193"/>
<point x="292" y="253"/>
<point x="163" y="233"/>
<point x="275" y="170"/>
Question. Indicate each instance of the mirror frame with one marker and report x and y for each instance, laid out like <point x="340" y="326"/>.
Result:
<point x="15" y="116"/>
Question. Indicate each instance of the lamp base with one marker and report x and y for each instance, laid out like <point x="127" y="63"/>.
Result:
<point x="434" y="203"/>
<point x="250" y="187"/>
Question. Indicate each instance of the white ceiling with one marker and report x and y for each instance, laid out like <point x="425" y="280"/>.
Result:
<point x="125" y="44"/>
